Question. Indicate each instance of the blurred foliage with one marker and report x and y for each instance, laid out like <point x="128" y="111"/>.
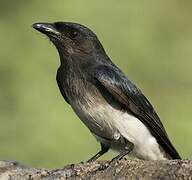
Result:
<point x="150" y="40"/>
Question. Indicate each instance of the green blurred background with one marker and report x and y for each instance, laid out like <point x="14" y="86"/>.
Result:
<point x="150" y="40"/>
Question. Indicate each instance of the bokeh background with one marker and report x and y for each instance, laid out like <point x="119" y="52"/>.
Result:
<point x="150" y="40"/>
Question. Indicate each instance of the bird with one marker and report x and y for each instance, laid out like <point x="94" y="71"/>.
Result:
<point x="109" y="104"/>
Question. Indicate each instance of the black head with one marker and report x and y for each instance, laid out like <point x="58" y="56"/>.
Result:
<point x="70" y="38"/>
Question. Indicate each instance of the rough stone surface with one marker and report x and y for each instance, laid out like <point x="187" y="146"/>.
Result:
<point x="124" y="169"/>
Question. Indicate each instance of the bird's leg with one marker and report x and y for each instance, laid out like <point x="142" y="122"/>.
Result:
<point x="126" y="151"/>
<point x="103" y="150"/>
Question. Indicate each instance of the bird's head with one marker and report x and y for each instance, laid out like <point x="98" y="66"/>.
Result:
<point x="71" y="39"/>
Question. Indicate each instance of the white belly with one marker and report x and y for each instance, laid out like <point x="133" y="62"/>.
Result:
<point x="145" y="145"/>
<point x="132" y="129"/>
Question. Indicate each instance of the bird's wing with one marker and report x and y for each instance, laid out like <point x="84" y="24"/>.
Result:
<point x="131" y="98"/>
<point x="59" y="83"/>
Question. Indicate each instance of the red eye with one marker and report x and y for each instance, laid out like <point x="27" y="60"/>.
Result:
<point x="73" y="34"/>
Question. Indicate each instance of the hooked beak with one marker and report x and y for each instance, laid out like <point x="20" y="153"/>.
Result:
<point x="47" y="29"/>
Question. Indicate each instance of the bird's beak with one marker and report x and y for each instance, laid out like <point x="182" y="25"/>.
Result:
<point x="46" y="28"/>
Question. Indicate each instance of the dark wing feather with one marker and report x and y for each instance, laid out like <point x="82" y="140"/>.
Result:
<point x="127" y="94"/>
<point x="60" y="85"/>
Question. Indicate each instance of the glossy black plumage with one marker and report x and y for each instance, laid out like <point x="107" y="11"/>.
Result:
<point x="88" y="78"/>
<point x="127" y="94"/>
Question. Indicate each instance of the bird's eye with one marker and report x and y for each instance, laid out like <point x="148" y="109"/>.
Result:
<point x="73" y="34"/>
